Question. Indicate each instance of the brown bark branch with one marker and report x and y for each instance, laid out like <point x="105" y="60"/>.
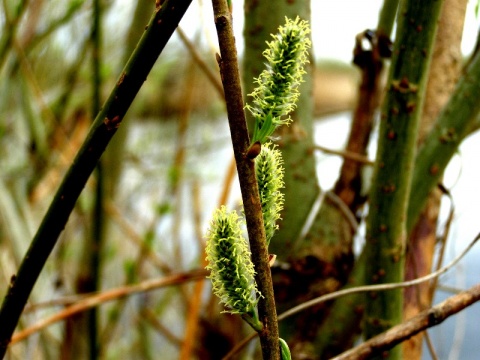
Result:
<point x="109" y="295"/>
<point x="370" y="62"/>
<point x="428" y="318"/>
<point x="230" y="75"/>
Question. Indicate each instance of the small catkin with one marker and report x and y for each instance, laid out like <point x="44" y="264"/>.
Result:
<point x="277" y="86"/>
<point x="231" y="269"/>
<point x="269" y="172"/>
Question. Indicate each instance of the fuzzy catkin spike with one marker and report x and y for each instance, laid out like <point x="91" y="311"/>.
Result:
<point x="232" y="271"/>
<point x="269" y="172"/>
<point x="277" y="91"/>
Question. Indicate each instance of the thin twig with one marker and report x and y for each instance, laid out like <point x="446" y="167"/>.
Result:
<point x="10" y="30"/>
<point x="428" y="318"/>
<point x="230" y="75"/>
<point x="161" y="329"/>
<point x="109" y="295"/>
<point x="362" y="159"/>
<point x="239" y="346"/>
<point x="431" y="348"/>
<point x="132" y="235"/>
<point x="195" y="300"/>
<point x="443" y="240"/>
<point x="200" y="62"/>
<point x="358" y="289"/>
<point x="62" y="301"/>
<point x="344" y="209"/>
<point x="379" y="287"/>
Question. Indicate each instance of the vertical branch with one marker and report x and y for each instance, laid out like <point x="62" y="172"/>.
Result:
<point x="336" y="334"/>
<point x="386" y="223"/>
<point x="81" y="334"/>
<point x="444" y="72"/>
<point x="246" y="174"/>
<point x="93" y="245"/>
<point x="159" y="30"/>
<point x="452" y="126"/>
<point x="370" y="62"/>
<point x="11" y="26"/>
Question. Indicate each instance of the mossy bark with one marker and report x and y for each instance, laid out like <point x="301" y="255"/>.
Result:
<point x="401" y="111"/>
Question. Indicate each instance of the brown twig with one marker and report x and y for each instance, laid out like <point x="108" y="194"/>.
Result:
<point x="200" y="62"/>
<point x="361" y="289"/>
<point x="347" y="155"/>
<point x="136" y="239"/>
<point x="195" y="301"/>
<point x="161" y="329"/>
<point x="428" y="318"/>
<point x="246" y="174"/>
<point x="370" y="62"/>
<point x="113" y="294"/>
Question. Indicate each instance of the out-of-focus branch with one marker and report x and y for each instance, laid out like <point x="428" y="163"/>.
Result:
<point x="199" y="61"/>
<point x="113" y="294"/>
<point x="162" y="24"/>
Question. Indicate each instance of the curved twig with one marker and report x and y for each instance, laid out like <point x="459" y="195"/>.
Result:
<point x="428" y="318"/>
<point x="360" y="289"/>
<point x="113" y="294"/>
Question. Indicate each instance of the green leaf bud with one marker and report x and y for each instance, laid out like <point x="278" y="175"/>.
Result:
<point x="284" y="350"/>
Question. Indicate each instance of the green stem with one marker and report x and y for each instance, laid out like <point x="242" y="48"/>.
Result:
<point x="452" y="126"/>
<point x="93" y="244"/>
<point x="338" y="331"/>
<point x="253" y="321"/>
<point x="387" y="17"/>
<point x="11" y="26"/>
<point x="246" y="174"/>
<point x="386" y="223"/>
<point x="161" y="26"/>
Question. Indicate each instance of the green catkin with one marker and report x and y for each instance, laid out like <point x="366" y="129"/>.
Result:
<point x="277" y="91"/>
<point x="269" y="172"/>
<point x="231" y="269"/>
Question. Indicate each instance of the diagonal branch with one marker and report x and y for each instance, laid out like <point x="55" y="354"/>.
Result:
<point x="95" y="300"/>
<point x="428" y="318"/>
